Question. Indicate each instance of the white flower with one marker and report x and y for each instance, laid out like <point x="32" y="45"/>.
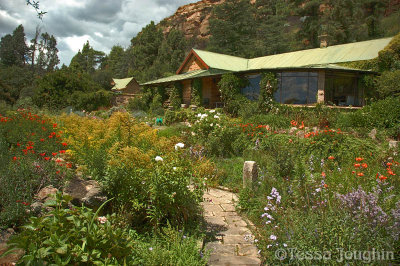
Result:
<point x="174" y="168"/>
<point x="158" y="159"/>
<point x="150" y="248"/>
<point x="318" y="190"/>
<point x="273" y="237"/>
<point x="102" y="219"/>
<point x="198" y="115"/>
<point x="267" y="222"/>
<point x="212" y="111"/>
<point x="216" y="117"/>
<point x="284" y="244"/>
<point x="179" y="145"/>
<point x="268" y="246"/>
<point x="211" y="124"/>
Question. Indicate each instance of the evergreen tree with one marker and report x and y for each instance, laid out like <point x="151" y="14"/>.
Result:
<point x="116" y="62"/>
<point x="311" y="23"/>
<point x="88" y="60"/>
<point x="13" y="49"/>
<point x="171" y="52"/>
<point x="145" y="48"/>
<point x="232" y="27"/>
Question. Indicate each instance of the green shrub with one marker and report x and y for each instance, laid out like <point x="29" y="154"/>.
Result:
<point x="268" y="86"/>
<point x="138" y="104"/>
<point x="196" y="92"/>
<point x="175" y="96"/>
<point x="230" y="86"/>
<point x="172" y="117"/>
<point x="388" y="84"/>
<point x="91" y="101"/>
<point x="74" y="236"/>
<point x="156" y="107"/>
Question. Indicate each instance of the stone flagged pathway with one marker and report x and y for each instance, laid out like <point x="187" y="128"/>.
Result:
<point x="229" y="238"/>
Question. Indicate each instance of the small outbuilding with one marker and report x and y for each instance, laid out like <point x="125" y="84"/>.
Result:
<point x="124" y="89"/>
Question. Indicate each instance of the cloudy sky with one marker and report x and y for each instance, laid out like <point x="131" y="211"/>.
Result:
<point x="103" y="22"/>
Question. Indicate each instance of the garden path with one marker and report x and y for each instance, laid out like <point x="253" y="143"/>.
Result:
<point x="229" y="240"/>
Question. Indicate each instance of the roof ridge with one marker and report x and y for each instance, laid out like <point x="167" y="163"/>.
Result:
<point x="220" y="54"/>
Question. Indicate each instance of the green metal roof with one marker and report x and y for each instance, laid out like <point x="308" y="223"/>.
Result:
<point x="189" y="75"/>
<point x="222" y="61"/>
<point x="121" y="83"/>
<point x="332" y="54"/>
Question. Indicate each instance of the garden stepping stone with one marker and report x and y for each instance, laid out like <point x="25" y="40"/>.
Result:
<point x="229" y="240"/>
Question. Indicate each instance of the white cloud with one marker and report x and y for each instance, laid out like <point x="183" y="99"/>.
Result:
<point x="103" y="22"/>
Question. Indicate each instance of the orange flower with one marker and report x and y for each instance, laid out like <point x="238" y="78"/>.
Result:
<point x="382" y="177"/>
<point x="364" y="165"/>
<point x="359" y="159"/>
<point x="323" y="174"/>
<point x="331" y="158"/>
<point x="389" y="164"/>
<point x="294" y="123"/>
<point x="360" y="174"/>
<point x="390" y="172"/>
<point x="357" y="165"/>
<point x="68" y="165"/>
<point x="325" y="186"/>
<point x="302" y="125"/>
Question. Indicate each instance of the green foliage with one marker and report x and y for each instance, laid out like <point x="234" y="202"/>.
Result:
<point x="388" y="85"/>
<point x="90" y="101"/>
<point x="389" y="58"/>
<point x="196" y="92"/>
<point x="74" y="235"/>
<point x="383" y="114"/>
<point x="268" y="86"/>
<point x="13" y="49"/>
<point x="29" y="147"/>
<point x="175" y="96"/>
<point x="230" y="86"/>
<point x="231" y="26"/>
<point x="62" y="88"/>
<point x="138" y="104"/>
<point x="86" y="61"/>
<point x="156" y="106"/>
<point x="172" y="117"/>
<point x="153" y="196"/>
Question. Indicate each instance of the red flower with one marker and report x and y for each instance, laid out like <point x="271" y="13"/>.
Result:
<point x="68" y="165"/>
<point x="62" y="151"/>
<point x="389" y="164"/>
<point x="54" y="153"/>
<point x="64" y="144"/>
<point x="323" y="174"/>
<point x="331" y="158"/>
<point x="18" y="144"/>
<point x="302" y="125"/>
<point x="364" y="165"/>
<point x="294" y="123"/>
<point x="50" y="136"/>
<point x="325" y="186"/>
<point x="57" y="172"/>
<point x="357" y="165"/>
<point x="41" y="140"/>
<point x="353" y="172"/>
<point x="15" y="158"/>
<point x="47" y="158"/>
<point x="54" y="125"/>
<point x="42" y="154"/>
<point x="360" y="174"/>
<point x="390" y="172"/>
<point x="359" y="159"/>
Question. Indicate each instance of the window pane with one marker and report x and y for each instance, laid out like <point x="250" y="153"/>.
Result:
<point x="312" y="90"/>
<point x="294" y="90"/>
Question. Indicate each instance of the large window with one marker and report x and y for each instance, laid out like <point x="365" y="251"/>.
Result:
<point x="343" y="91"/>
<point x="297" y="87"/>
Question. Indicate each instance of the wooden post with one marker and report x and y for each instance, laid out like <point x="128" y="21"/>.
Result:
<point x="250" y="173"/>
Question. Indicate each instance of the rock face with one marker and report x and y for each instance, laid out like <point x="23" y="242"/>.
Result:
<point x="87" y="192"/>
<point x="192" y="19"/>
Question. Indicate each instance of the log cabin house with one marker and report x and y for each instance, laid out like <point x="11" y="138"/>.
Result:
<point x="305" y="77"/>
